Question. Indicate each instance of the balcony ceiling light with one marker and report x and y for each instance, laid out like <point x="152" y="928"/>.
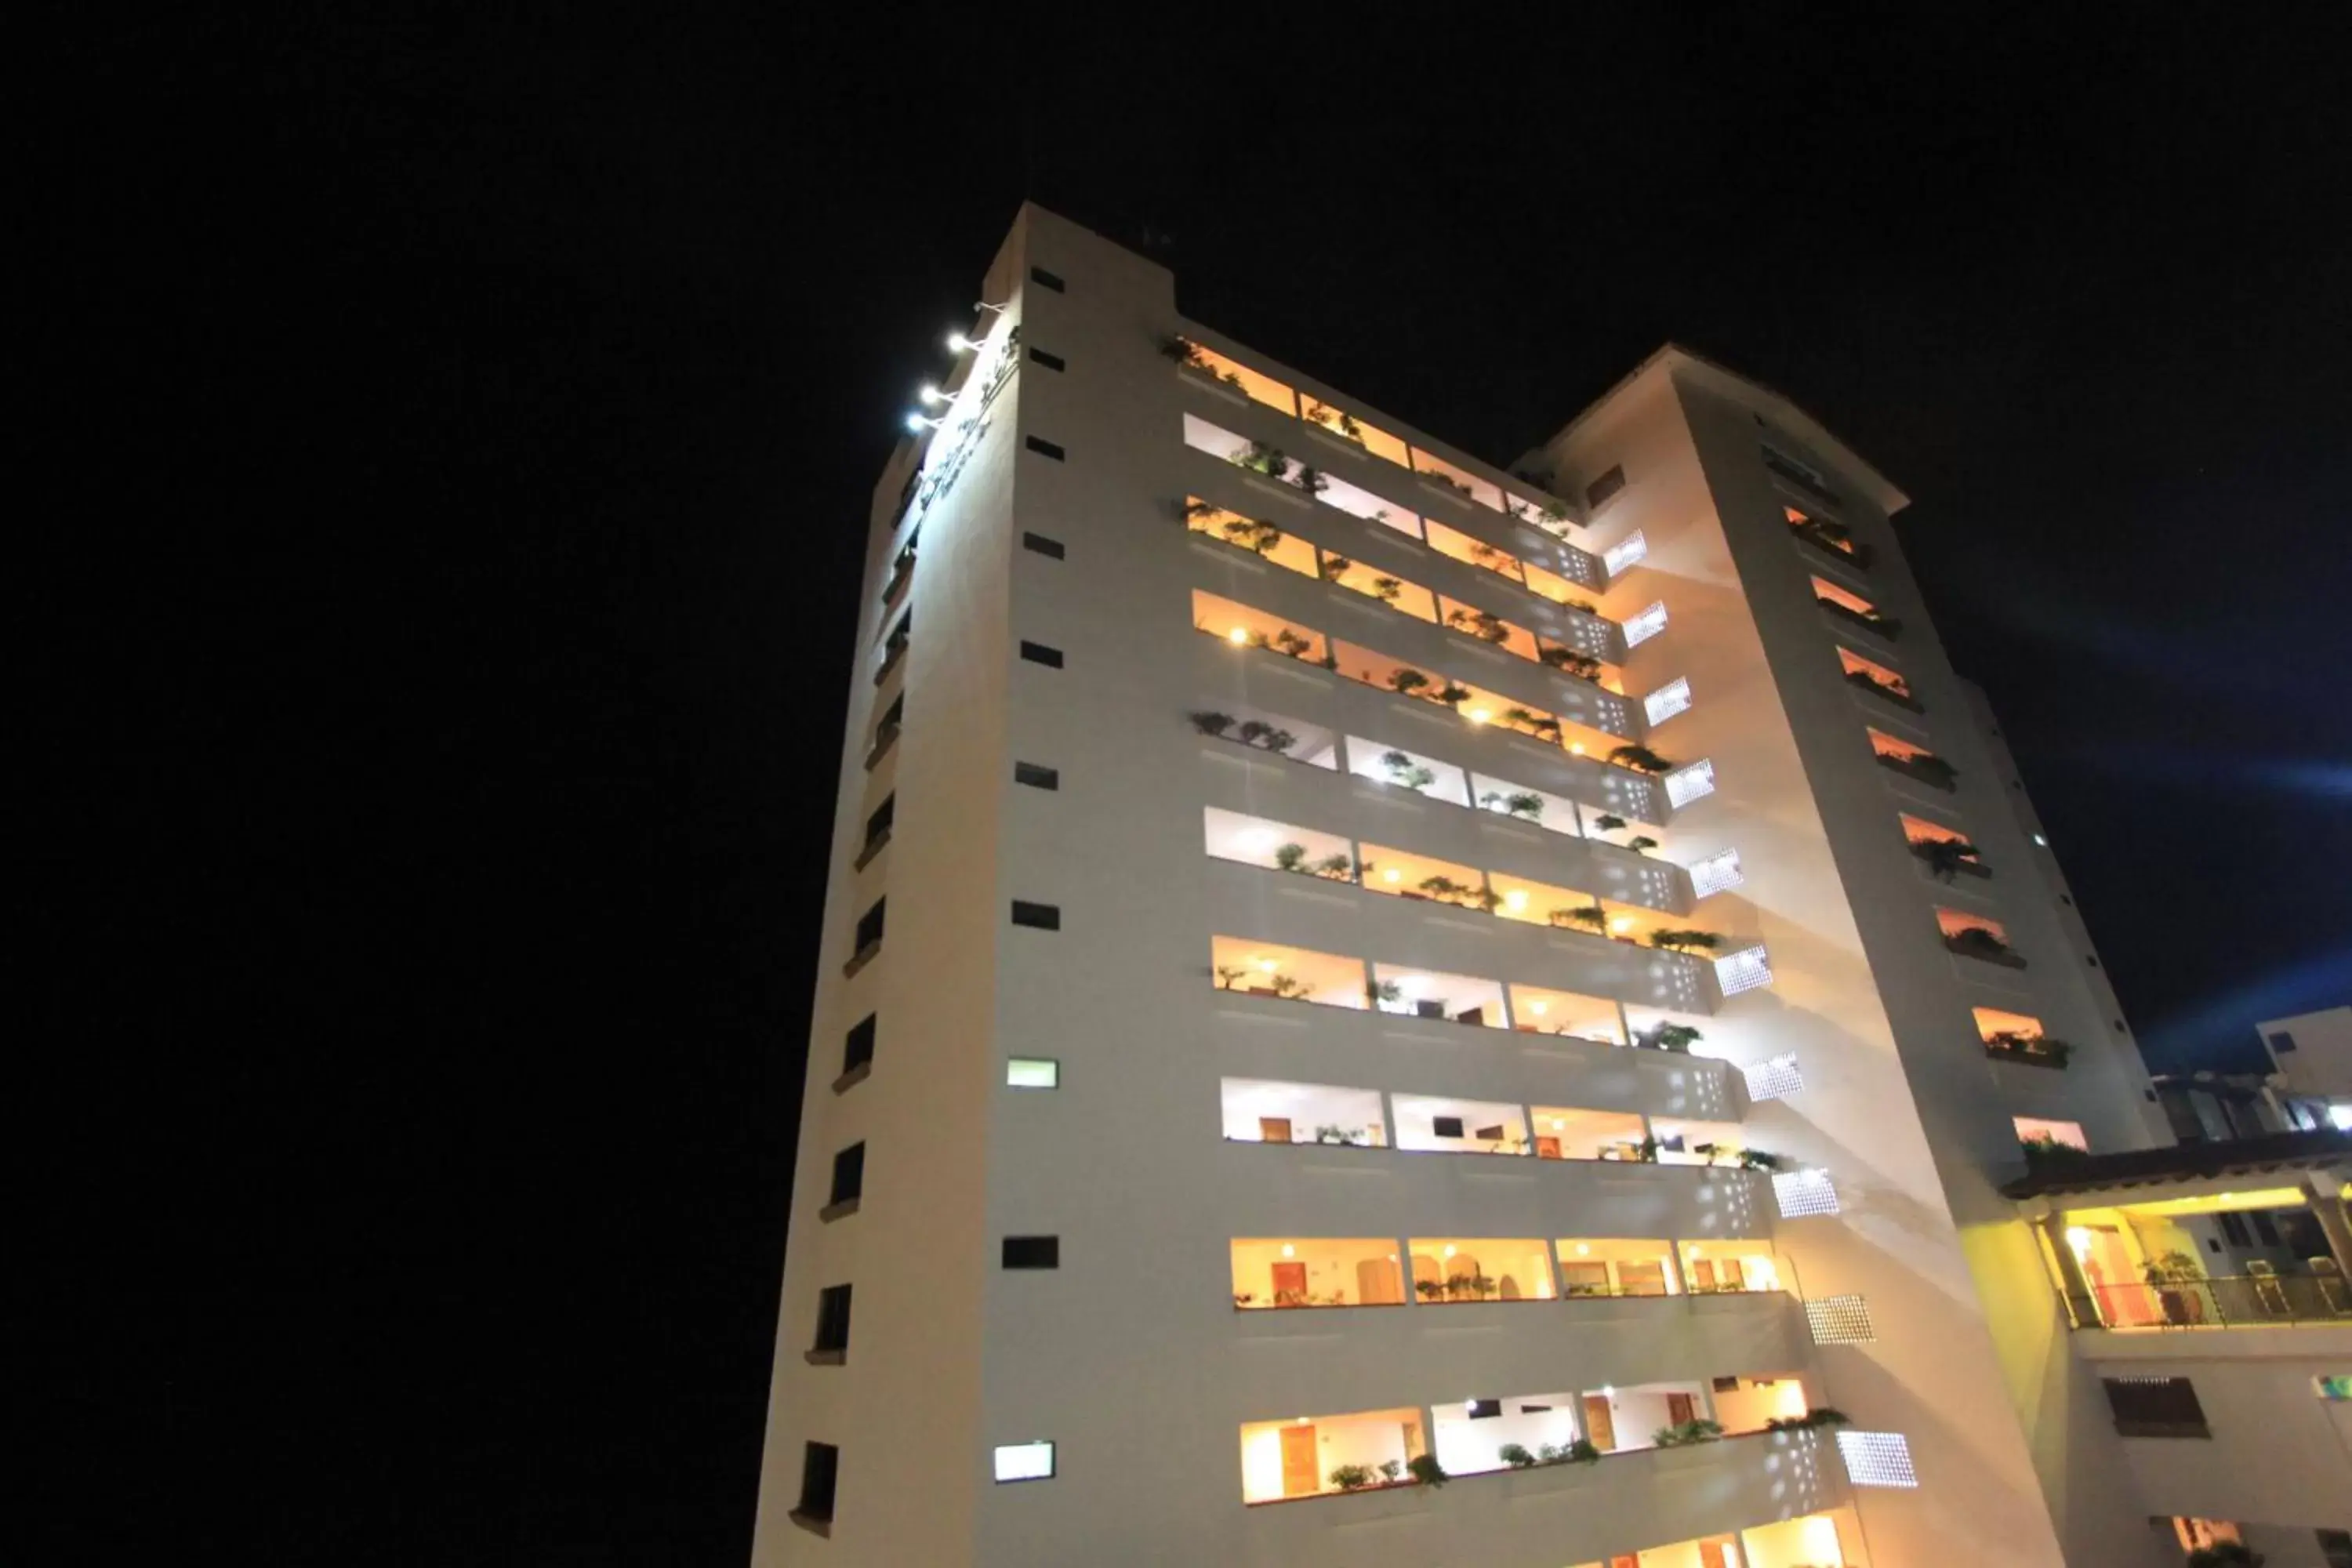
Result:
<point x="1539" y="1008"/>
<point x="1392" y="874"/>
<point x="916" y="424"/>
<point x="1623" y="922"/>
<point x="1583" y="1249"/>
<point x="1267" y="964"/>
<point x="1516" y="899"/>
<point x="1290" y="1251"/>
<point x="1575" y="749"/>
<point x="1449" y="1249"/>
<point x="1480" y="715"/>
<point x="931" y="396"/>
<point x="1238" y="634"/>
<point x="957" y="343"/>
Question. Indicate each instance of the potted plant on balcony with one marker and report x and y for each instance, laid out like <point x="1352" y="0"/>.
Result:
<point x="1925" y="766"/>
<point x="2174" y="1276"/>
<point x="1580" y="1452"/>
<point x="1641" y="759"/>
<point x="2018" y="1046"/>
<point x="1210" y="723"/>
<point x="1976" y="941"/>
<point x="1819" y="1415"/>
<point x="1406" y="681"/>
<point x="1516" y="1454"/>
<point x="1686" y="941"/>
<point x="1543" y="726"/>
<point x="1386" y="589"/>
<point x="1450" y="693"/>
<point x="1428" y="1290"/>
<point x="1265" y="737"/>
<point x="1641" y="843"/>
<point x="1427" y="1470"/>
<point x="1567" y="661"/>
<point x="1480" y="624"/>
<point x="1526" y="805"/>
<point x="1260" y="458"/>
<point x="1760" y="1160"/>
<point x="1405" y="773"/>
<point x="1898" y="695"/>
<point x="1683" y="1433"/>
<point x="1337" y="421"/>
<point x="1947" y="858"/>
<point x="1182" y="351"/>
<point x="1444" y="482"/>
<point x="1591" y="916"/>
<point x="1348" y="1137"/>
<point x="1335" y="868"/>
<point x="1352" y="1477"/>
<point x="1380" y="991"/>
<point x="1252" y="535"/>
<point x="2225" y="1554"/>
<point x="1666" y="1038"/>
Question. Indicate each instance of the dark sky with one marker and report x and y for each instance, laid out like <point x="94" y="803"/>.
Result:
<point x="474" y="418"/>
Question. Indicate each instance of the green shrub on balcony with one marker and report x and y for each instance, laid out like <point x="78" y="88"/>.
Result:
<point x="1686" y="942"/>
<point x="1591" y="916"/>
<point x="1947" y="858"/>
<point x="1888" y="689"/>
<point x="1975" y="942"/>
<point x="1567" y="661"/>
<point x="1819" y="1415"/>
<point x="1641" y="759"/>
<point x="1927" y="767"/>
<point x="1211" y="723"/>
<point x="2038" y="1048"/>
<point x="1526" y="806"/>
<point x="1404" y="770"/>
<point x="1480" y="624"/>
<point x="1427" y="1470"/>
<point x="1666" y="1038"/>
<point x="1265" y="737"/>
<point x="1353" y="1478"/>
<point x="1683" y="1433"/>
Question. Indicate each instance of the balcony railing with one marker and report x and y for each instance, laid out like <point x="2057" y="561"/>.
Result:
<point x="2239" y="1301"/>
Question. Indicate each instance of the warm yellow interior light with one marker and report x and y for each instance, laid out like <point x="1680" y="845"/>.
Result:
<point x="1392" y="874"/>
<point x="1480" y="715"/>
<point x="1516" y="899"/>
<point x="1623" y="922"/>
<point x="1449" y="1249"/>
<point x="1575" y="749"/>
<point x="1267" y="964"/>
<point x="1290" y="1251"/>
<point x="1583" y="1249"/>
<point x="1238" y="634"/>
<point x="1539" y="1008"/>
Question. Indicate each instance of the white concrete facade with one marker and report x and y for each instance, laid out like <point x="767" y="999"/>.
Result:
<point x="1130" y="1356"/>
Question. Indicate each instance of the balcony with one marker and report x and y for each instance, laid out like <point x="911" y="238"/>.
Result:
<point x="1886" y="685"/>
<point x="2239" y="1301"/>
<point x="1854" y="610"/>
<point x="1301" y="1273"/>
<point x="1828" y="536"/>
<point x="1945" y="852"/>
<point x="1915" y="762"/>
<point x="1233" y="681"/>
<point x="1977" y="937"/>
<point x="2018" y="1037"/>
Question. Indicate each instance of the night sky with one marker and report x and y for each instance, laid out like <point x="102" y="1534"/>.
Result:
<point x="474" y="420"/>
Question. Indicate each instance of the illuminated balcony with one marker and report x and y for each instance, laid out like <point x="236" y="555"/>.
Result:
<point x="1978" y="937"/>
<point x="1827" y="535"/>
<point x="2128" y="1236"/>
<point x="1279" y="1274"/>
<point x="1913" y="761"/>
<point x="1887" y="685"/>
<point x="2018" y="1037"/>
<point x="1455" y="1270"/>
<point x="1853" y="608"/>
<point x="1320" y="1456"/>
<point x="1946" y="851"/>
<point x="1610" y="1267"/>
<point x="1261" y="1111"/>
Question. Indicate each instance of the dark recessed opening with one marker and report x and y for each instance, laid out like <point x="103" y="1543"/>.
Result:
<point x="1042" y="916"/>
<point x="1045" y="279"/>
<point x="1038" y="543"/>
<point x="1045" y="448"/>
<point x="1033" y="1252"/>
<point x="1051" y="361"/>
<point x="1038" y="652"/>
<point x="1035" y="777"/>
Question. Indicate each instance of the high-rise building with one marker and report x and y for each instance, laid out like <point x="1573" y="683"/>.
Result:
<point x="1382" y="1008"/>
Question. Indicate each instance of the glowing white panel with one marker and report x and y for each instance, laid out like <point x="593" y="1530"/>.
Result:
<point x="1694" y="781"/>
<point x="1033" y="1072"/>
<point x="1774" y="1077"/>
<point x="1667" y="701"/>
<point x="1645" y="623"/>
<point x="1877" y="1459"/>
<point x="1717" y="872"/>
<point x="1025" y="1461"/>
<point x="1743" y="971"/>
<point x="1625" y="551"/>
<point x="1804" y="1194"/>
<point x="1840" y="1320"/>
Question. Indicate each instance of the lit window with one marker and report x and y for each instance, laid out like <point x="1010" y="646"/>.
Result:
<point x="1775" y="1077"/>
<point x="1625" y="552"/>
<point x="1744" y="971"/>
<point x="1033" y="1072"/>
<point x="1667" y="701"/>
<point x="1645" y="623"/>
<point x="1840" y="1320"/>
<point x="1877" y="1459"/>
<point x="1801" y="1194"/>
<point x="1694" y="782"/>
<point x="1717" y="872"/>
<point x="2035" y="1130"/>
<point x="1025" y="1461"/>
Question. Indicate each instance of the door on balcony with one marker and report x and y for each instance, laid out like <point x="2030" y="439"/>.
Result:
<point x="1290" y="1284"/>
<point x="1600" y="1423"/>
<point x="1711" y="1554"/>
<point x="1681" y="1408"/>
<point x="1274" y="1129"/>
<point x="1301" y="1470"/>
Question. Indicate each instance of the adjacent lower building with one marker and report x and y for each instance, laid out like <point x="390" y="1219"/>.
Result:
<point x="1379" y="1007"/>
